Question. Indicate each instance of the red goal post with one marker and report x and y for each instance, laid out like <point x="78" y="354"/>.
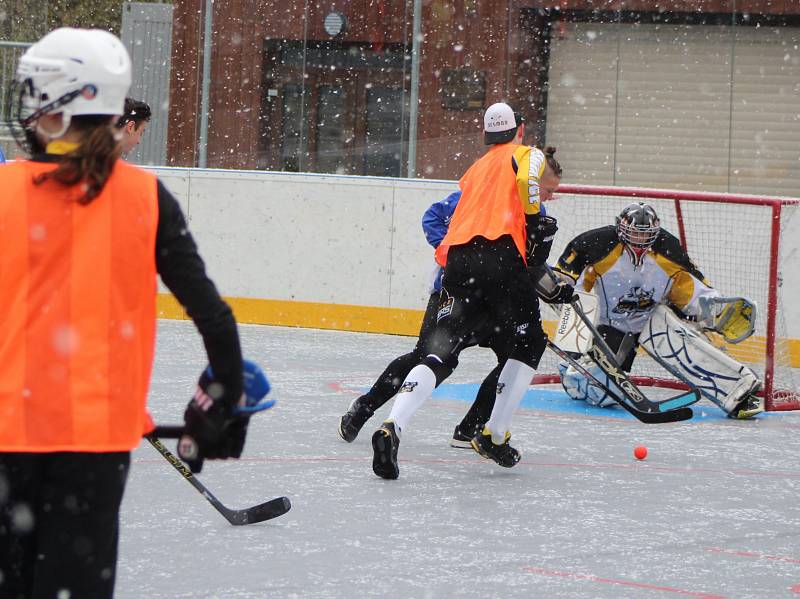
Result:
<point x="735" y="240"/>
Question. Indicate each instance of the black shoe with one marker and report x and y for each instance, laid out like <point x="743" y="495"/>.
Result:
<point x="462" y="436"/>
<point x="384" y="443"/>
<point x="355" y="417"/>
<point x="503" y="454"/>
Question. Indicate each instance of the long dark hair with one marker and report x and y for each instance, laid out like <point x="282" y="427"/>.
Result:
<point x="91" y="162"/>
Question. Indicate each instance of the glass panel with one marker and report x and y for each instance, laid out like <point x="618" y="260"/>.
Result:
<point x="331" y="133"/>
<point x="384" y="152"/>
<point x="294" y="115"/>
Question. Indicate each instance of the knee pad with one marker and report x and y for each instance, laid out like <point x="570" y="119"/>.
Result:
<point x="441" y="368"/>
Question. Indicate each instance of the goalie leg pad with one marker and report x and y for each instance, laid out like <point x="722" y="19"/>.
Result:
<point x="688" y="355"/>
<point x="579" y="387"/>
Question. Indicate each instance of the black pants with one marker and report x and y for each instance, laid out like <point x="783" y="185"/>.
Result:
<point x="59" y="523"/>
<point x="388" y="383"/>
<point x="486" y="288"/>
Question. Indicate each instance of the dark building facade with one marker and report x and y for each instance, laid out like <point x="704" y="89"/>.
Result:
<point x="325" y="85"/>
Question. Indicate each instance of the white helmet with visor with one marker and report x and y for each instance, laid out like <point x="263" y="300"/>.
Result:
<point x="71" y="72"/>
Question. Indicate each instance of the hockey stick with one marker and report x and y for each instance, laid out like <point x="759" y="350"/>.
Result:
<point x="258" y="513"/>
<point x="676" y="415"/>
<point x="606" y="359"/>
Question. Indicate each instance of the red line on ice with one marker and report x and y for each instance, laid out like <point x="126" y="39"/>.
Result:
<point x="753" y="554"/>
<point x="626" y="583"/>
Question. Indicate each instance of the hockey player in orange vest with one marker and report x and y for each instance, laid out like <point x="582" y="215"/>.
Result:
<point x="84" y="235"/>
<point x="496" y="234"/>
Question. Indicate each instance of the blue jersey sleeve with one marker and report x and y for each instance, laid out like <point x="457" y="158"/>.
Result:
<point x="437" y="218"/>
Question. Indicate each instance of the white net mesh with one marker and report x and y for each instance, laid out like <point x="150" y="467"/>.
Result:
<point x="730" y="239"/>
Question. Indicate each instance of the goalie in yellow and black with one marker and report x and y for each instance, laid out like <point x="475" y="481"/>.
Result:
<point x="650" y="294"/>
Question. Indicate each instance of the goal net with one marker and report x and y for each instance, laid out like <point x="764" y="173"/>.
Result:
<point x="736" y="241"/>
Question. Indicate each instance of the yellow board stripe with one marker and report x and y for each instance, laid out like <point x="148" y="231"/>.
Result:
<point x="340" y="317"/>
<point x="369" y="319"/>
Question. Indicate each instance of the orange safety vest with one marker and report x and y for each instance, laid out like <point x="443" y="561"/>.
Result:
<point x="489" y="206"/>
<point x="77" y="295"/>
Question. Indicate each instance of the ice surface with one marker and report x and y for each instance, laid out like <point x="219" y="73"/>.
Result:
<point x="713" y="511"/>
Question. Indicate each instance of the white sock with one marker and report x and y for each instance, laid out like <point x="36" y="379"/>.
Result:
<point x="414" y="391"/>
<point x="514" y="381"/>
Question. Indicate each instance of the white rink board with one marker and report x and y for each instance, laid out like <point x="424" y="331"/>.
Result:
<point x="340" y="239"/>
<point x="313" y="238"/>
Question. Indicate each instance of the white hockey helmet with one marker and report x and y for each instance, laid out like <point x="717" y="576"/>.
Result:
<point x="73" y="72"/>
<point x="638" y="227"/>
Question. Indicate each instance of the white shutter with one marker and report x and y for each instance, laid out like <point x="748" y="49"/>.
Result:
<point x="147" y="34"/>
<point x="765" y="156"/>
<point x="581" y="102"/>
<point x="682" y="107"/>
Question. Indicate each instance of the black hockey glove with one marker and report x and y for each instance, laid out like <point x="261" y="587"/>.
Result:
<point x="541" y="230"/>
<point x="562" y="294"/>
<point x="552" y="288"/>
<point x="211" y="428"/>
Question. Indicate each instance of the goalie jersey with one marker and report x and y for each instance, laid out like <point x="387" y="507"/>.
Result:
<point x="628" y="293"/>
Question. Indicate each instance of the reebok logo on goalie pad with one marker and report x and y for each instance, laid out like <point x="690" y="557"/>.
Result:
<point x="408" y="387"/>
<point x="565" y="318"/>
<point x="500" y="387"/>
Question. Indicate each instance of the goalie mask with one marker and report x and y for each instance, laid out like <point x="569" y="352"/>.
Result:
<point x="638" y="227"/>
<point x="70" y="72"/>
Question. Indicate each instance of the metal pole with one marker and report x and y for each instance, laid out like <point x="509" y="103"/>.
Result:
<point x="414" y="96"/>
<point x="202" y="161"/>
<point x="301" y="147"/>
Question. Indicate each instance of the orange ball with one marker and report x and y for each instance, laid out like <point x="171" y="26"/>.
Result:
<point x="640" y="452"/>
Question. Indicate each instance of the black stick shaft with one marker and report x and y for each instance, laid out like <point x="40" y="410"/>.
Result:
<point x="258" y="513"/>
<point x="170" y="431"/>
<point x="187" y="474"/>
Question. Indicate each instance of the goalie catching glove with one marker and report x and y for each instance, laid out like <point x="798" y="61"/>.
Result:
<point x="215" y="427"/>
<point x="732" y="317"/>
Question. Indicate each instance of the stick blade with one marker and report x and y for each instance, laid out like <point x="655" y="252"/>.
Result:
<point x="684" y="400"/>
<point x="260" y="513"/>
<point x="677" y="415"/>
